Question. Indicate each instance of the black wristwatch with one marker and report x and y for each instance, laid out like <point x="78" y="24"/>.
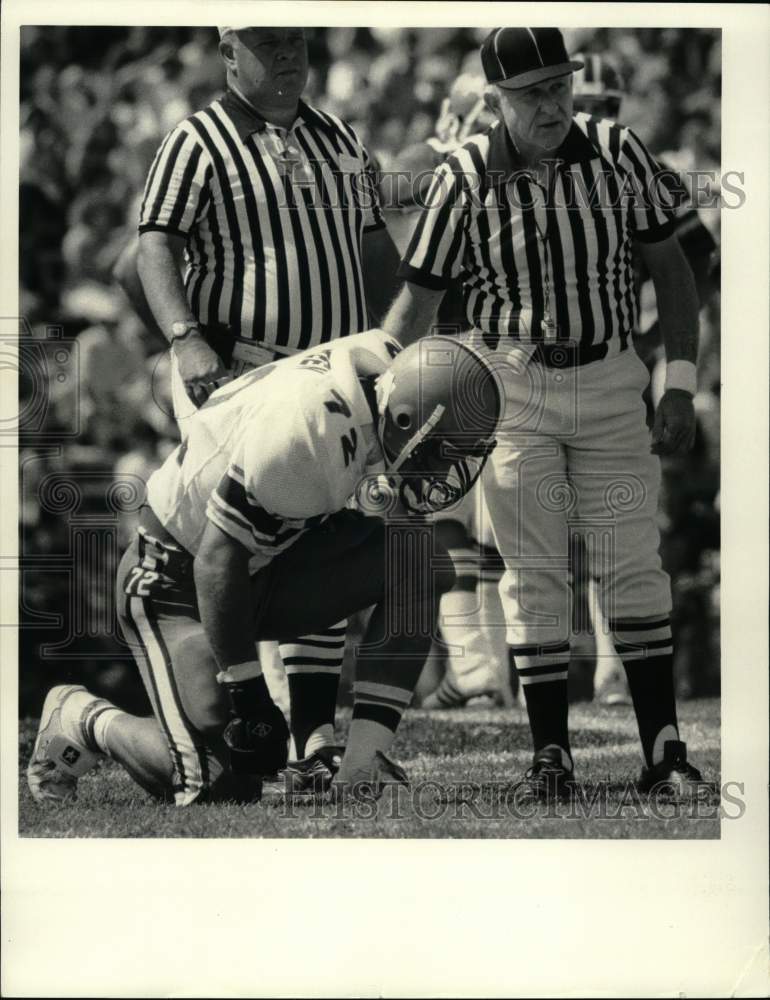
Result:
<point x="183" y="328"/>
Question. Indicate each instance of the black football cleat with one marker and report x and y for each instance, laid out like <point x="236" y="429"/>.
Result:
<point x="673" y="777"/>
<point x="313" y="774"/>
<point x="548" y="780"/>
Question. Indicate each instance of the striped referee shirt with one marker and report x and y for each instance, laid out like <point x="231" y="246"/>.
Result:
<point x="273" y="221"/>
<point x="528" y="253"/>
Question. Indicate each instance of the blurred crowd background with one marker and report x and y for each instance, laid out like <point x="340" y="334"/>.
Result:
<point x="95" y="408"/>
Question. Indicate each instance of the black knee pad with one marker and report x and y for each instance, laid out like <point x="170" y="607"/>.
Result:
<point x="453" y="535"/>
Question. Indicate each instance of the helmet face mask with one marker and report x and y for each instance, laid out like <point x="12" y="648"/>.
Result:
<point x="439" y="405"/>
<point x="438" y="474"/>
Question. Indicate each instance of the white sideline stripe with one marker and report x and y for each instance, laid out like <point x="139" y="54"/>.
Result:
<point x="178" y="731"/>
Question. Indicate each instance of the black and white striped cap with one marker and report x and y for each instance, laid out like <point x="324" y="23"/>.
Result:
<point x="520" y="57"/>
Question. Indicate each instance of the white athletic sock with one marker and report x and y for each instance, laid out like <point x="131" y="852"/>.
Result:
<point x="75" y="709"/>
<point x="86" y="719"/>
<point x="365" y="738"/>
<point x="471" y="665"/>
<point x="667" y="733"/>
<point x="101" y="725"/>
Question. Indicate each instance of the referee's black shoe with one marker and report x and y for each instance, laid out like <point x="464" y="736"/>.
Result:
<point x="313" y="774"/>
<point x="673" y="777"/>
<point x="548" y="780"/>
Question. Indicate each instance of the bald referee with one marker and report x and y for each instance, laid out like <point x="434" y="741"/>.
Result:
<point x="539" y="218"/>
<point x="270" y="202"/>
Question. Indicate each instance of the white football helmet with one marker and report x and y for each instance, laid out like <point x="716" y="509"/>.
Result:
<point x="438" y="405"/>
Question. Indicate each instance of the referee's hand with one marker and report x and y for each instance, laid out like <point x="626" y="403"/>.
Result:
<point x="200" y="367"/>
<point x="674" y="427"/>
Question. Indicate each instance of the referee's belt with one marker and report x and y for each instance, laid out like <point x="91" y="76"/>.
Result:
<point x="568" y="354"/>
<point x="231" y="348"/>
<point x="253" y="353"/>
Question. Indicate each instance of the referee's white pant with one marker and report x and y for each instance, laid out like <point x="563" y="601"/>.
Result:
<point x="573" y="455"/>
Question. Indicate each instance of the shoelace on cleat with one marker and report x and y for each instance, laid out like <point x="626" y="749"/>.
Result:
<point x="544" y="769"/>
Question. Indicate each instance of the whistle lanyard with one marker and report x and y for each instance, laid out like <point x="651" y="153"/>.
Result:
<point x="549" y="327"/>
<point x="288" y="156"/>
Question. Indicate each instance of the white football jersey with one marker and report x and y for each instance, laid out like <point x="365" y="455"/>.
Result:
<point x="277" y="450"/>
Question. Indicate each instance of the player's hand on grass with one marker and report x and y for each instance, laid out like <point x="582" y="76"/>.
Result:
<point x="200" y="367"/>
<point x="674" y="426"/>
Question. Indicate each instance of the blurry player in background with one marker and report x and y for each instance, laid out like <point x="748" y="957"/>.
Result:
<point x="471" y="617"/>
<point x="463" y="113"/>
<point x="598" y="90"/>
<point x="248" y="535"/>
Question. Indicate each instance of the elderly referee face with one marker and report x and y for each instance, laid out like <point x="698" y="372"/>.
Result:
<point x="537" y="117"/>
<point x="267" y="64"/>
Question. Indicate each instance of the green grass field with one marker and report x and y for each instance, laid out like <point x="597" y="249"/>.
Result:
<point x="463" y="766"/>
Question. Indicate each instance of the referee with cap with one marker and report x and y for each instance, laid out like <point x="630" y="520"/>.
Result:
<point x="539" y="218"/>
<point x="598" y="90"/>
<point x="271" y="203"/>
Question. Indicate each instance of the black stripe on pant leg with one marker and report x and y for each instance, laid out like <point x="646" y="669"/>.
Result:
<point x="154" y="695"/>
<point x="178" y="729"/>
<point x="152" y="619"/>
